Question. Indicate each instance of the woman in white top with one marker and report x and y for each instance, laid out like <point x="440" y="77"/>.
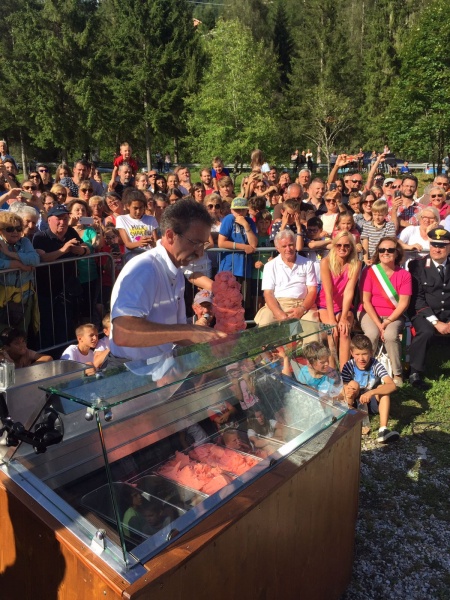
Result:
<point x="415" y="237"/>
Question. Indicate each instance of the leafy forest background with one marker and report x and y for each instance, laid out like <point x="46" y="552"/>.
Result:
<point x="78" y="75"/>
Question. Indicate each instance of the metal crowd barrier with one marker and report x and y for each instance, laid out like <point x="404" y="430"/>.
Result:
<point x="60" y="312"/>
<point x="61" y="308"/>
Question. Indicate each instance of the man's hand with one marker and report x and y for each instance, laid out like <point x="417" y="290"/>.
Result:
<point x="248" y="249"/>
<point x="241" y="220"/>
<point x="443" y="328"/>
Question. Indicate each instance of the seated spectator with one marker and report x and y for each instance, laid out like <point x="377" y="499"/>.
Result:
<point x="431" y="301"/>
<point x="17" y="290"/>
<point x="14" y="341"/>
<point x="290" y="220"/>
<point x="415" y="237"/>
<point x="83" y="350"/>
<point x="437" y="198"/>
<point x="289" y="284"/>
<point x="339" y="275"/>
<point x="334" y="207"/>
<point x="386" y="291"/>
<point x="367" y="381"/>
<point x="101" y="351"/>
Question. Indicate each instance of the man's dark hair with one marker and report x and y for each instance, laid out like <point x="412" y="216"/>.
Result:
<point x="83" y="162"/>
<point x="412" y="177"/>
<point x="182" y="214"/>
<point x="162" y="196"/>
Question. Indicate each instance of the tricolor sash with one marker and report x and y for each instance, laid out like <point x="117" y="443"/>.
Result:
<point x="385" y="284"/>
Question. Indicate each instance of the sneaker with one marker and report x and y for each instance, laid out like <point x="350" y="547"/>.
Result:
<point x="386" y="436"/>
<point x="398" y="380"/>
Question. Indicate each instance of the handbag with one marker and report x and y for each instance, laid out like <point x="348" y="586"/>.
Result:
<point x="383" y="358"/>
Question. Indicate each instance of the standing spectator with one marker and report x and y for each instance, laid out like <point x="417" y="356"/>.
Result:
<point x="81" y="171"/>
<point x="4" y="154"/>
<point x="11" y="172"/>
<point x="57" y="285"/>
<point x="167" y="162"/>
<point x="17" y="293"/>
<point x="62" y="171"/>
<point x="46" y="176"/>
<point x="184" y="176"/>
<point x="141" y="182"/>
<point x="409" y="207"/>
<point x="136" y="229"/>
<point x="206" y="179"/>
<point x="238" y="232"/>
<point x="60" y="192"/>
<point x="29" y="216"/>
<point x="113" y="207"/>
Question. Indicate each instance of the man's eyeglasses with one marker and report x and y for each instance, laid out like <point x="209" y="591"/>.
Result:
<point x="216" y="206"/>
<point x="11" y="229"/>
<point x="386" y="250"/>
<point x="198" y="245"/>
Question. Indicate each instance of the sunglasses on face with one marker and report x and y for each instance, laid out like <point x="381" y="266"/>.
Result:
<point x="11" y="229"/>
<point x="43" y="170"/>
<point x="386" y="250"/>
<point x="343" y="246"/>
<point x="356" y="180"/>
<point x="86" y="190"/>
<point x="34" y="176"/>
<point x="216" y="206"/>
<point x="432" y="244"/>
<point x="368" y="201"/>
<point x="331" y="201"/>
<point x="436" y="195"/>
<point x="30" y="187"/>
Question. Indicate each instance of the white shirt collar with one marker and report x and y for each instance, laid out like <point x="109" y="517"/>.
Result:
<point x="165" y="259"/>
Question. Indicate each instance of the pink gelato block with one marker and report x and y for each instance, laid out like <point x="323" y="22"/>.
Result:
<point x="226" y="459"/>
<point x="216" y="483"/>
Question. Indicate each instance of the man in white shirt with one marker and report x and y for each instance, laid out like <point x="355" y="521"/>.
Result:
<point x="147" y="303"/>
<point x="289" y="284"/>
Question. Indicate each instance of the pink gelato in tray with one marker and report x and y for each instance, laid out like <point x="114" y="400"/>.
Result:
<point x="189" y="473"/>
<point x="224" y="458"/>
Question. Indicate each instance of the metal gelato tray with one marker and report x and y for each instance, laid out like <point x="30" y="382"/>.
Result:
<point x="169" y="491"/>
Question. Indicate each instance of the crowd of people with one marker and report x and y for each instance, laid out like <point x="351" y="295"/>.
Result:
<point x="365" y="255"/>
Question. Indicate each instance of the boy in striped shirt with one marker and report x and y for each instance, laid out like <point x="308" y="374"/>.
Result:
<point x="367" y="381"/>
<point x="377" y="228"/>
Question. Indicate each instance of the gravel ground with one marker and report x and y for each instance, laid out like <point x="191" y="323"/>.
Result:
<point x="403" y="528"/>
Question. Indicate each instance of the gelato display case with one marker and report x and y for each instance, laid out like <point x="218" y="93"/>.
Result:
<point x="136" y="460"/>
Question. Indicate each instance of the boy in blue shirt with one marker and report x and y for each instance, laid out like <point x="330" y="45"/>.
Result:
<point x="368" y="382"/>
<point x="317" y="373"/>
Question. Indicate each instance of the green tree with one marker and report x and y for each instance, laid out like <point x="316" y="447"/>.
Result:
<point x="419" y="112"/>
<point x="235" y="109"/>
<point x="283" y="43"/>
<point x="253" y="14"/>
<point x="150" y="58"/>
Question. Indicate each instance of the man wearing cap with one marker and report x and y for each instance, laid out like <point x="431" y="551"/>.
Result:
<point x="57" y="285"/>
<point x="430" y="300"/>
<point x="237" y="232"/>
<point x="203" y="308"/>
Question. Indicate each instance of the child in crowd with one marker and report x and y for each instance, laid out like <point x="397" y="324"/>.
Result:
<point x="373" y="231"/>
<point x="263" y="223"/>
<point x="218" y="172"/>
<point x="102" y="348"/>
<point x="345" y="222"/>
<point x="318" y="242"/>
<point x="137" y="230"/>
<point x="367" y="381"/>
<point x="334" y="207"/>
<point x="256" y="205"/>
<point x="317" y="373"/>
<point x="290" y="219"/>
<point x="14" y="343"/>
<point x="83" y="350"/>
<point x="354" y="201"/>
<point x="114" y="246"/>
<point x="226" y="188"/>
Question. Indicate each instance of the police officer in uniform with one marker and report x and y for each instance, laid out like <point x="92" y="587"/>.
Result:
<point x="430" y="301"/>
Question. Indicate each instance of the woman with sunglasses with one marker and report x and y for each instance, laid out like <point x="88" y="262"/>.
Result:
<point x="213" y="204"/>
<point x="60" y="192"/>
<point x="37" y="180"/>
<point x="16" y="252"/>
<point x="112" y="207"/>
<point x="437" y="198"/>
<point x="46" y="176"/>
<point x="386" y="292"/>
<point x="85" y="190"/>
<point x="339" y="272"/>
<point x="29" y="187"/>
